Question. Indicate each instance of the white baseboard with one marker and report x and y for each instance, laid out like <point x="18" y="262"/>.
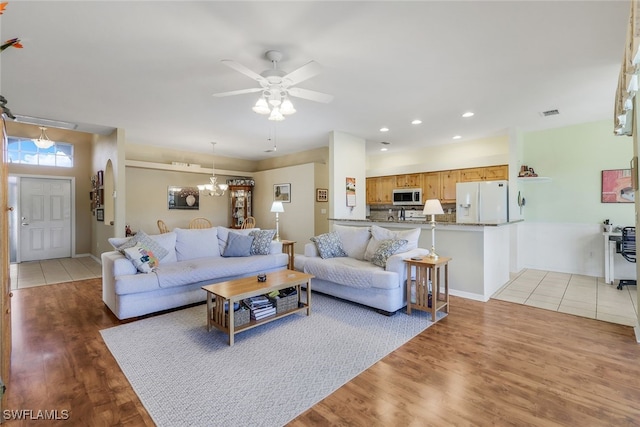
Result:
<point x="468" y="295"/>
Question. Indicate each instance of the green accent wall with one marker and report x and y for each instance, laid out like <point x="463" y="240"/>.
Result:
<point x="574" y="157"/>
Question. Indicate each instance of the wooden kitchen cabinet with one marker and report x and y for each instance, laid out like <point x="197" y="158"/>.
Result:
<point x="380" y="190"/>
<point x="489" y="173"/>
<point x="431" y="187"/>
<point x="448" y="180"/>
<point x="413" y="180"/>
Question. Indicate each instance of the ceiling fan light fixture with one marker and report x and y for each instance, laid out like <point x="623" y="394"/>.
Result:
<point x="287" y="107"/>
<point x="43" y="140"/>
<point x="276" y="115"/>
<point x="261" y="106"/>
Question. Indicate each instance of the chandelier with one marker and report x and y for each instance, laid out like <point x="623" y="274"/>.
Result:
<point x="275" y="102"/>
<point x="213" y="188"/>
<point x="43" y="140"/>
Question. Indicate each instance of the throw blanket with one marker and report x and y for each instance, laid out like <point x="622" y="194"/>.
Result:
<point x="344" y="271"/>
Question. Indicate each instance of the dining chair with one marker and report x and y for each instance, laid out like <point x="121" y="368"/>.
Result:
<point x="163" y="227"/>
<point x="200" y="223"/>
<point x="249" y="222"/>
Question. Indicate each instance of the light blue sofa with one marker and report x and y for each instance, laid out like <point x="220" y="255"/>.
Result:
<point x="194" y="259"/>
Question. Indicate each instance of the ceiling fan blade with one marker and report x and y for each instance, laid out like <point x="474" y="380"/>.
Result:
<point x="308" y="70"/>
<point x="238" y="92"/>
<point x="311" y="95"/>
<point x="242" y="69"/>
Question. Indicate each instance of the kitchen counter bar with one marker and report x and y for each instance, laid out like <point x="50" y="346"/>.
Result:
<point x="480" y="252"/>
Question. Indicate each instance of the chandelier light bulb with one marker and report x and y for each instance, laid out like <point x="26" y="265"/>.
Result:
<point x="276" y="115"/>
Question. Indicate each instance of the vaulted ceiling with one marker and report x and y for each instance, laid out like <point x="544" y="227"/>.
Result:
<point x="151" y="67"/>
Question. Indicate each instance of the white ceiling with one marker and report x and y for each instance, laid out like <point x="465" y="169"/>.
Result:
<point x="150" y="67"/>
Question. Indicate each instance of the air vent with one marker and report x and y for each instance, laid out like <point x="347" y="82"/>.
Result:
<point x="385" y="143"/>
<point x="550" y="113"/>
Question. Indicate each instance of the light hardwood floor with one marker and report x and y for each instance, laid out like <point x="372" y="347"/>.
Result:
<point x="494" y="363"/>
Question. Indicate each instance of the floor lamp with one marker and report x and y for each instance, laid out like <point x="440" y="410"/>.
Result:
<point x="432" y="207"/>
<point x="277" y="208"/>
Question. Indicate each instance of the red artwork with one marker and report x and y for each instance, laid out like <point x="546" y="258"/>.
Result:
<point x="616" y="186"/>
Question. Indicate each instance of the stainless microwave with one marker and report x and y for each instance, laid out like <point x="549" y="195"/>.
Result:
<point x="407" y="196"/>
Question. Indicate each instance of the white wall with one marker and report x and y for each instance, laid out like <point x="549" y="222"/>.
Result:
<point x="347" y="160"/>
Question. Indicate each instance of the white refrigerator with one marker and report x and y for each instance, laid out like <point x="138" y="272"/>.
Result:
<point x="482" y="202"/>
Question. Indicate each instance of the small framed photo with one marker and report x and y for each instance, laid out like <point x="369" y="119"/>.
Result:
<point x="617" y="186"/>
<point x="100" y="214"/>
<point x="322" y="195"/>
<point x="282" y="193"/>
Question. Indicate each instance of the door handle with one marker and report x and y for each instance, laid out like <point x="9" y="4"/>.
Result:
<point x="25" y="223"/>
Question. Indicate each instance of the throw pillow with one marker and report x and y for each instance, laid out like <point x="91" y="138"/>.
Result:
<point x="223" y="235"/>
<point x="144" y="260"/>
<point x="145" y="241"/>
<point x="354" y="240"/>
<point x="261" y="241"/>
<point x="378" y="234"/>
<point x="387" y="248"/>
<point x="329" y="245"/>
<point x="238" y="245"/>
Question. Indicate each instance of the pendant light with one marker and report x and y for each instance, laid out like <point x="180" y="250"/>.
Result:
<point x="43" y="140"/>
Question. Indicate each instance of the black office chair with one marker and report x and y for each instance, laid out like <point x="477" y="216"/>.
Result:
<point x="628" y="251"/>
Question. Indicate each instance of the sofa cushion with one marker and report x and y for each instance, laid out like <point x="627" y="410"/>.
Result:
<point x="329" y="245"/>
<point x="261" y="244"/>
<point x="142" y="258"/>
<point x="142" y="239"/>
<point x="378" y="234"/>
<point x="207" y="269"/>
<point x="354" y="240"/>
<point x="196" y="243"/>
<point x="223" y="235"/>
<point x="349" y="272"/>
<point x="387" y="248"/>
<point x="136" y="283"/>
<point x="238" y="245"/>
<point x="166" y="240"/>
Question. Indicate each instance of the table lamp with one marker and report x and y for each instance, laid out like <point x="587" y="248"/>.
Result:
<point x="277" y="208"/>
<point x="432" y="207"/>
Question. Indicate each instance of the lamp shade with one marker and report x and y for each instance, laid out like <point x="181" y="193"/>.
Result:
<point x="433" y="207"/>
<point x="277" y="207"/>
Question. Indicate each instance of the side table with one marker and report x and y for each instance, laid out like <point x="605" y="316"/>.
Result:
<point x="428" y="269"/>
<point x="287" y="248"/>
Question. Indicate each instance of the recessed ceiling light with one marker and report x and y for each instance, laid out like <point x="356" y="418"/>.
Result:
<point x="468" y="114"/>
<point x="384" y="129"/>
<point x="384" y="149"/>
<point x="416" y="122"/>
<point x="457" y="137"/>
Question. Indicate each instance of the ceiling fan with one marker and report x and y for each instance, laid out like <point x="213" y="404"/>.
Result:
<point x="277" y="85"/>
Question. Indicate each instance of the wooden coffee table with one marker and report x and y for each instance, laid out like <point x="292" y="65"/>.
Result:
<point x="239" y="289"/>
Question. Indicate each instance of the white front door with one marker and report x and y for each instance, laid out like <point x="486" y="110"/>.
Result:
<point x="45" y="218"/>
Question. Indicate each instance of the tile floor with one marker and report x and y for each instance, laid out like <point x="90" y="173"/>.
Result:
<point x="574" y="294"/>
<point x="47" y="272"/>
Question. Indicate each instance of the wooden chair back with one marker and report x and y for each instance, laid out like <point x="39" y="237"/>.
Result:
<point x="163" y="227"/>
<point x="200" y="223"/>
<point x="249" y="222"/>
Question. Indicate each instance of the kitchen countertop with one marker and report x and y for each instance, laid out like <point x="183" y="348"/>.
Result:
<point x="423" y="223"/>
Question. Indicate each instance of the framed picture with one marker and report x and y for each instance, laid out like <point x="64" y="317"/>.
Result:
<point x="100" y="178"/>
<point x="100" y="214"/>
<point x="184" y="198"/>
<point x="351" y="192"/>
<point x="617" y="186"/>
<point x="322" y="195"/>
<point x="282" y="193"/>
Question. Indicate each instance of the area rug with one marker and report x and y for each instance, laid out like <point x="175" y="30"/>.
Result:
<point x="185" y="375"/>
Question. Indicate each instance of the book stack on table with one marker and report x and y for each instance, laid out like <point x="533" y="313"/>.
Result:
<point x="260" y="307"/>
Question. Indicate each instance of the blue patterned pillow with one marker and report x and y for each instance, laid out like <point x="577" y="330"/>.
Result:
<point x="387" y="248"/>
<point x="144" y="259"/>
<point x="261" y="244"/>
<point x="329" y="245"/>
